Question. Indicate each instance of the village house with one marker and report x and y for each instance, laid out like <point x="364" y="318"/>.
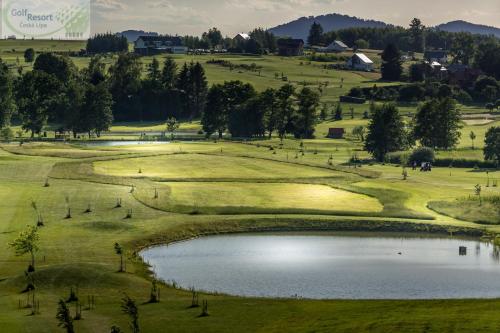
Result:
<point x="336" y="133"/>
<point x="290" y="47"/>
<point x="439" y="56"/>
<point x="463" y="75"/>
<point x="152" y="45"/>
<point x="360" y="62"/>
<point x="336" y="46"/>
<point x="240" y="38"/>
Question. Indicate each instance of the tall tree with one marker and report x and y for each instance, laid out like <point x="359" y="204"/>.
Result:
<point x="7" y="103"/>
<point x="37" y="93"/>
<point x="98" y="108"/>
<point x="95" y="73"/>
<point x="463" y="48"/>
<point x="270" y="103"/>
<point x="492" y="144"/>
<point x="437" y="124"/>
<point x="315" y="34"/>
<point x="200" y="89"/>
<point x="215" y="116"/>
<point x="214" y="36"/>
<point x="417" y="33"/>
<point x="386" y="131"/>
<point x="391" y="63"/>
<point x="307" y="117"/>
<point x="169" y="73"/>
<point x="486" y="57"/>
<point x="285" y="110"/>
<point x="125" y="84"/>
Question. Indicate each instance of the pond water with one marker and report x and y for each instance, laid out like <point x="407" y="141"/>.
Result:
<point x="331" y="266"/>
<point x="122" y="143"/>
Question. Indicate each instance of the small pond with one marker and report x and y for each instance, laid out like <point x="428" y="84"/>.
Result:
<point x="121" y="143"/>
<point x="331" y="266"/>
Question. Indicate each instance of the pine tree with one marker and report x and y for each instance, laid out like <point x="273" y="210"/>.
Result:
<point x="391" y="63"/>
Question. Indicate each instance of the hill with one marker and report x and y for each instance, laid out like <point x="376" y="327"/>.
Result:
<point x="300" y="27"/>
<point x="458" y="26"/>
<point x="132" y="35"/>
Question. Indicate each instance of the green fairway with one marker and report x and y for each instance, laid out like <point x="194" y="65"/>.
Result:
<point x="189" y="166"/>
<point x="278" y="198"/>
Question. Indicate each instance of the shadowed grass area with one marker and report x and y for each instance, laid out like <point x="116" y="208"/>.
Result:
<point x="470" y="209"/>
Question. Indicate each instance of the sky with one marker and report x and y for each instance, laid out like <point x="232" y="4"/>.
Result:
<point x="233" y="16"/>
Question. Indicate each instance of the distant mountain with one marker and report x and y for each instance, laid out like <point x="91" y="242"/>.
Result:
<point x="300" y="27"/>
<point x="459" y="26"/>
<point x="132" y="35"/>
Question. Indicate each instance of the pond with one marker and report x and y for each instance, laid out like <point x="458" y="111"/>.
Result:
<point x="331" y="266"/>
<point x="121" y="143"/>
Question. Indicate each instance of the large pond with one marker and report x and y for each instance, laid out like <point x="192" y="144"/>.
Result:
<point x="337" y="266"/>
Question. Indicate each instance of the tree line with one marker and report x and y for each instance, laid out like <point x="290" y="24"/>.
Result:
<point x="106" y="42"/>
<point x="436" y="125"/>
<point x="88" y="100"/>
<point x="236" y="106"/>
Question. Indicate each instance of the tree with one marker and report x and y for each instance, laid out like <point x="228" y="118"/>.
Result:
<point x="386" y="131"/>
<point x="472" y="137"/>
<point x="271" y="112"/>
<point x="361" y="44"/>
<point x="169" y="73"/>
<point x="437" y="124"/>
<point x="306" y="117"/>
<point x="285" y="109"/>
<point x="338" y="112"/>
<point x="64" y="317"/>
<point x="119" y="251"/>
<point x="95" y="73"/>
<point x="200" y="89"/>
<point x="27" y="243"/>
<point x="7" y="103"/>
<point x="417" y="31"/>
<point x="391" y="63"/>
<point x="315" y="34"/>
<point x="463" y="48"/>
<point x="359" y="132"/>
<point x="417" y="72"/>
<point x="154" y="72"/>
<point x="60" y="66"/>
<point x="486" y="57"/>
<point x="97" y="109"/>
<point x="214" y="36"/>
<point x="492" y="144"/>
<point x="29" y="55"/>
<point x="125" y="85"/>
<point x="172" y="126"/>
<point x="215" y="116"/>
<point x="37" y="93"/>
<point x="324" y="112"/>
<point x="130" y="309"/>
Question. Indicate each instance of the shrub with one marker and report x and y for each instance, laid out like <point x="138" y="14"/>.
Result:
<point x="463" y="97"/>
<point x="422" y="154"/>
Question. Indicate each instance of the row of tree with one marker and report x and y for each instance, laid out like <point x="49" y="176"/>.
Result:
<point x="237" y="107"/>
<point x="87" y="101"/>
<point x="436" y="125"/>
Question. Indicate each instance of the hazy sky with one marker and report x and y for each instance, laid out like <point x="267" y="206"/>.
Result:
<point x="232" y="16"/>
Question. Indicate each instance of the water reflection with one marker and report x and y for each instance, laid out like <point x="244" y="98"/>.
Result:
<point x="332" y="266"/>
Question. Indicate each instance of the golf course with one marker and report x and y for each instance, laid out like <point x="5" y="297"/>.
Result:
<point x="98" y="202"/>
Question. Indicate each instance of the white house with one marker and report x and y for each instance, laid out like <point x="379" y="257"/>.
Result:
<point x="152" y="45"/>
<point x="360" y="62"/>
<point x="335" y="46"/>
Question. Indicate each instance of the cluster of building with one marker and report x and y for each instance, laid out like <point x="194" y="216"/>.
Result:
<point x="287" y="47"/>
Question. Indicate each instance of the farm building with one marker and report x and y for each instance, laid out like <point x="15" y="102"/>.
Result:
<point x="290" y="47"/>
<point x="436" y="56"/>
<point x="151" y="45"/>
<point x="359" y="61"/>
<point x="241" y="37"/>
<point x="335" y="46"/>
<point x="336" y="133"/>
